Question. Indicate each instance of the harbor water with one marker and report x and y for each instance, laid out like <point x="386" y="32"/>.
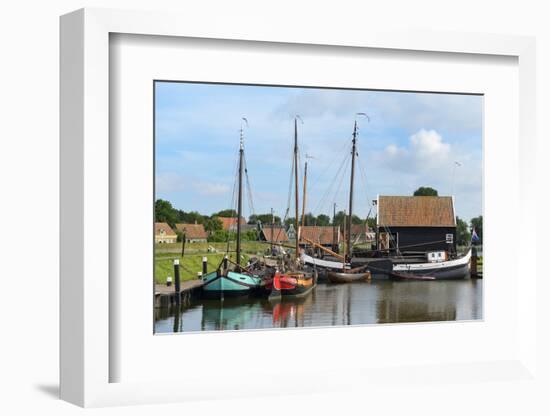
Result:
<point x="376" y="302"/>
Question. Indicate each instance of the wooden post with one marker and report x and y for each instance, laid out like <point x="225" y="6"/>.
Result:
<point x="177" y="286"/>
<point x="204" y="265"/>
<point x="473" y="262"/>
<point x="183" y="245"/>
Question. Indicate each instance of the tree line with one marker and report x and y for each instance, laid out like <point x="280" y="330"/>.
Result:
<point x="165" y="212"/>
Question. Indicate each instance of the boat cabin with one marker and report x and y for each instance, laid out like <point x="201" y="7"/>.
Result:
<point x="416" y="225"/>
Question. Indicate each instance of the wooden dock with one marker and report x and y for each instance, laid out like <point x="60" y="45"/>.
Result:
<point x="166" y="296"/>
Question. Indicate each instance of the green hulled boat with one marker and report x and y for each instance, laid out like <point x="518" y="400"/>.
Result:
<point x="223" y="282"/>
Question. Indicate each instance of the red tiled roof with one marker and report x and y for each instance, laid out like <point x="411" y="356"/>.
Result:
<point x="416" y="211"/>
<point x="164" y="226"/>
<point x="279" y="234"/>
<point x="192" y="231"/>
<point x="359" y="229"/>
<point x="319" y="234"/>
<point x="228" y="222"/>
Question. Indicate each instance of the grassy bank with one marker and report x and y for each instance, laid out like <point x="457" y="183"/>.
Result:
<point x="191" y="262"/>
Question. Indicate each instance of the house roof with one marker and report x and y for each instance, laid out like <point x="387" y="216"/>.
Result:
<point x="416" y="211"/>
<point x="164" y="226"/>
<point x="279" y="234"/>
<point x="359" y="229"/>
<point x="319" y="234"/>
<point x="228" y="222"/>
<point x="193" y="231"/>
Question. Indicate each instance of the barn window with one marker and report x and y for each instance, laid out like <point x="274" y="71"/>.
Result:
<point x="449" y="238"/>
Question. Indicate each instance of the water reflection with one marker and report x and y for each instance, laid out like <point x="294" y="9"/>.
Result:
<point x="328" y="305"/>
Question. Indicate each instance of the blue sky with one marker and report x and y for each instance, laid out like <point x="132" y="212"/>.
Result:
<point x="412" y="140"/>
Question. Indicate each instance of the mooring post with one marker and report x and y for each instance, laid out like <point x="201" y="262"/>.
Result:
<point x="473" y="262"/>
<point x="177" y="286"/>
<point x="204" y="265"/>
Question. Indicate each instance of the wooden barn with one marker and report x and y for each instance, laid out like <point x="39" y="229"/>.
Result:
<point x="194" y="233"/>
<point x="279" y="235"/>
<point x="326" y="236"/>
<point x="416" y="224"/>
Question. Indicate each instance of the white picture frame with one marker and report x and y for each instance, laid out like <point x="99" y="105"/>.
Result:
<point x="85" y="345"/>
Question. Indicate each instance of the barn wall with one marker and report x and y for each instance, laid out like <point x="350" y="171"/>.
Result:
<point x="421" y="235"/>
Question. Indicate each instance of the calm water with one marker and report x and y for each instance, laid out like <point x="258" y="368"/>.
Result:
<point x="351" y="304"/>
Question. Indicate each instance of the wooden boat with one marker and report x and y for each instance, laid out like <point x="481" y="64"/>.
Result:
<point x="409" y="276"/>
<point x="292" y="285"/>
<point x="340" y="272"/>
<point x="457" y="268"/>
<point x="223" y="282"/>
<point x="336" y="277"/>
<point x="295" y="282"/>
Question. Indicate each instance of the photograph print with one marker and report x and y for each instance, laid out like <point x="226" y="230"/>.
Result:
<point x="292" y="207"/>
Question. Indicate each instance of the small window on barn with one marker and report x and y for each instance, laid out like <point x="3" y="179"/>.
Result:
<point x="449" y="238"/>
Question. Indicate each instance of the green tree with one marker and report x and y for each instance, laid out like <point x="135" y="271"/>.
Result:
<point x="462" y="233"/>
<point x="425" y="191"/>
<point x="218" y="236"/>
<point x="371" y="222"/>
<point x="213" y="224"/>
<point x="309" y="219"/>
<point x="226" y="213"/>
<point x="250" y="235"/>
<point x="289" y="221"/>
<point x="265" y="219"/>
<point x="323" y="220"/>
<point x="356" y="220"/>
<point x="165" y="212"/>
<point x="477" y="224"/>
<point x="191" y="217"/>
<point x="339" y="219"/>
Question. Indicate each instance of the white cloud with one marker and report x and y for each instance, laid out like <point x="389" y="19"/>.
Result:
<point x="428" y="144"/>
<point x="426" y="150"/>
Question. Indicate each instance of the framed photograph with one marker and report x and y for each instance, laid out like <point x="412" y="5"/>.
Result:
<point x="329" y="227"/>
<point x="277" y="205"/>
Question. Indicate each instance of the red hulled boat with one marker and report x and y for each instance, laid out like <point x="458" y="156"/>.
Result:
<point x="292" y="284"/>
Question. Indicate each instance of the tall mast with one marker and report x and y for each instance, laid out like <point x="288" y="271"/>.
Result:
<point x="353" y="152"/>
<point x="272" y="229"/>
<point x="304" y="196"/>
<point x="296" y="185"/>
<point x="344" y="239"/>
<point x="240" y="202"/>
<point x="334" y="242"/>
